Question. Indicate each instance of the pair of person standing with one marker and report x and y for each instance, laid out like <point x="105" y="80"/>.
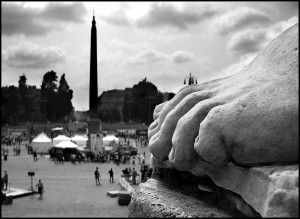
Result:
<point x="97" y="176"/>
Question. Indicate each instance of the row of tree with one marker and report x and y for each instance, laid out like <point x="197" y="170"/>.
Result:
<point x="26" y="103"/>
<point x="145" y="97"/>
<point x="53" y="103"/>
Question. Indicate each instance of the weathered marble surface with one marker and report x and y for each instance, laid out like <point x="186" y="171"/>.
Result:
<point x="273" y="191"/>
<point x="250" y="118"/>
<point x="242" y="131"/>
<point x="154" y="199"/>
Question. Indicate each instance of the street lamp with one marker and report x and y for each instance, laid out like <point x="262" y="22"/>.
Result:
<point x="192" y="80"/>
<point x="31" y="174"/>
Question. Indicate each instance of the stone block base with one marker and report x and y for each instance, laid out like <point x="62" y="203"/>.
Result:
<point x="154" y="199"/>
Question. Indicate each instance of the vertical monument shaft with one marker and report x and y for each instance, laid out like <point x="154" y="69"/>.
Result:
<point x="94" y="123"/>
<point x="93" y="69"/>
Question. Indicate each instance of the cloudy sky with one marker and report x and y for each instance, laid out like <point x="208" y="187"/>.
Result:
<point x="162" y="41"/>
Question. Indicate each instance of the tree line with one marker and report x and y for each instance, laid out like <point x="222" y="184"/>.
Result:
<point x="53" y="103"/>
<point x="27" y="103"/>
<point x="138" y="105"/>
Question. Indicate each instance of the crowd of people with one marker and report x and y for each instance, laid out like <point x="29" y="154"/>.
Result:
<point x="125" y="155"/>
<point x="15" y="141"/>
<point x="146" y="173"/>
<point x="9" y="140"/>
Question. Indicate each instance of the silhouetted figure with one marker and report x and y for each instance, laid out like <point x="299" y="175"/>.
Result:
<point x="40" y="187"/>
<point x="134" y="174"/>
<point x="97" y="176"/>
<point x="5" y="154"/>
<point x="125" y="172"/>
<point x="5" y="179"/>
<point x="111" y="175"/>
<point x="35" y="156"/>
<point x="73" y="158"/>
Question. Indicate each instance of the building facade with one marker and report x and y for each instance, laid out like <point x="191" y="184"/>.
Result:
<point x="112" y="100"/>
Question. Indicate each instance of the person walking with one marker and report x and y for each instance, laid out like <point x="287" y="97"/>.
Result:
<point x="61" y="158"/>
<point x="73" y="158"/>
<point x="97" y="176"/>
<point x="143" y="171"/>
<point x="34" y="156"/>
<point x="40" y="187"/>
<point x="142" y="159"/>
<point x="139" y="158"/>
<point x="5" y="179"/>
<point x="14" y="150"/>
<point x="79" y="158"/>
<point x="118" y="159"/>
<point x="111" y="175"/>
<point x="134" y="174"/>
<point x="5" y="154"/>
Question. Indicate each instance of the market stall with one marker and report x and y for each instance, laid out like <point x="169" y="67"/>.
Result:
<point x="41" y="143"/>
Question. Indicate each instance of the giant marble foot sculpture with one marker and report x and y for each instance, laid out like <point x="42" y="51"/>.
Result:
<point x="249" y="118"/>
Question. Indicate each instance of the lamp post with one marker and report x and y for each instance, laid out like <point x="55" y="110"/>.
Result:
<point x="192" y="80"/>
<point x="31" y="174"/>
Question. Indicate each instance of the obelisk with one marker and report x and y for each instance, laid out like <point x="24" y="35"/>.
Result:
<point x="93" y="71"/>
<point x="94" y="123"/>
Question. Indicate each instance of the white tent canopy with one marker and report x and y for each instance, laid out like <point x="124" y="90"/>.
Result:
<point x="60" y="138"/>
<point x="41" y="143"/>
<point x="58" y="129"/>
<point x="42" y="138"/>
<point x="108" y="148"/>
<point x="80" y="140"/>
<point x="66" y="144"/>
<point x="110" y="138"/>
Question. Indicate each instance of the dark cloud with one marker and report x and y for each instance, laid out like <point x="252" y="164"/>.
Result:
<point x="168" y="15"/>
<point x="17" y="19"/>
<point x="181" y="57"/>
<point x="29" y="55"/>
<point x="248" y="41"/>
<point x="72" y="12"/>
<point x="239" y="18"/>
<point x="253" y="40"/>
<point x="278" y="10"/>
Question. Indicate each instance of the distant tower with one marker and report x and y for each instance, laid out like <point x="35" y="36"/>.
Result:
<point x="191" y="79"/>
<point x="93" y="69"/>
